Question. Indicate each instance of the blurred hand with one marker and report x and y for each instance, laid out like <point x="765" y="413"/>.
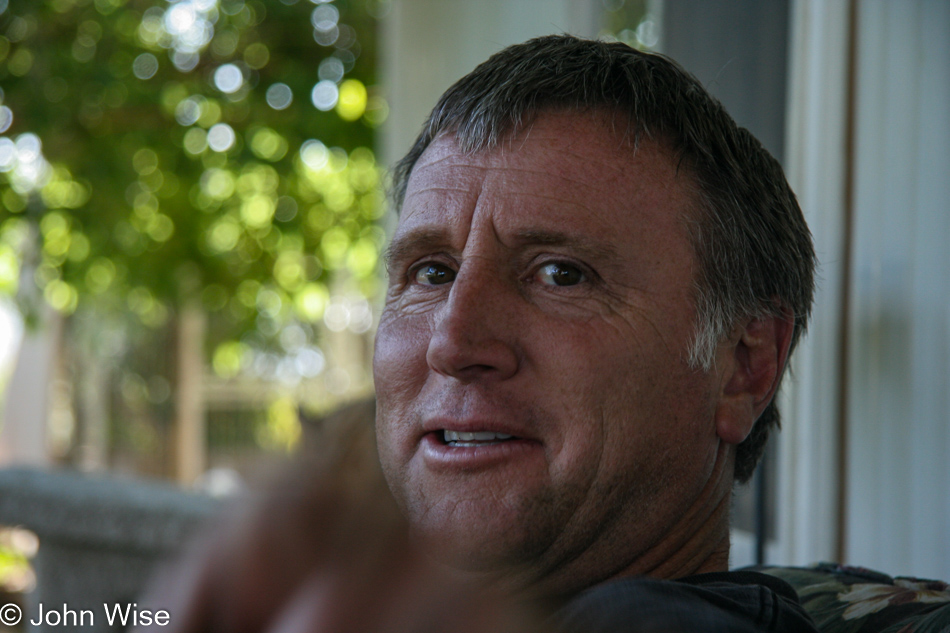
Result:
<point x="324" y="549"/>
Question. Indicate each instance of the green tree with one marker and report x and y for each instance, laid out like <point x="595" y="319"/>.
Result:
<point x="159" y="154"/>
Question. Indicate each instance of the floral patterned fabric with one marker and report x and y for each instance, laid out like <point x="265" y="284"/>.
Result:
<point x="856" y="600"/>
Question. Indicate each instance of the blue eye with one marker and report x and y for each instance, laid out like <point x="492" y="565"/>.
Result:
<point x="433" y="275"/>
<point x="560" y="274"/>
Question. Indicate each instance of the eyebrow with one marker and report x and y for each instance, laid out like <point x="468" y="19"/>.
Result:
<point x="584" y="245"/>
<point x="422" y="240"/>
<point x="426" y="240"/>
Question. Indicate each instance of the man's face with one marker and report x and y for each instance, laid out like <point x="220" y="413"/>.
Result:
<point x="536" y="412"/>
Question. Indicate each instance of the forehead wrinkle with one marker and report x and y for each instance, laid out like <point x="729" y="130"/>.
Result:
<point x="464" y="160"/>
<point x="561" y="202"/>
<point x="560" y="178"/>
<point x="615" y="166"/>
<point x="552" y="144"/>
<point x="427" y="160"/>
<point x="437" y="189"/>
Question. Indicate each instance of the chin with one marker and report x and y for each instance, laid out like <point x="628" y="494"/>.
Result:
<point x="472" y="545"/>
<point x="470" y="557"/>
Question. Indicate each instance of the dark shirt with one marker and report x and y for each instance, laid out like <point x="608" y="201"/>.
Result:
<point x="733" y="602"/>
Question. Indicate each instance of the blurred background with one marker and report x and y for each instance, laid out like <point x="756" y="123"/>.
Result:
<point x="192" y="215"/>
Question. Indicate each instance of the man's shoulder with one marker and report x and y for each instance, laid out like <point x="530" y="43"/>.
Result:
<point x="740" y="601"/>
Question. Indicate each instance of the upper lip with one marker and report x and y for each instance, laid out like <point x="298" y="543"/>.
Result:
<point x="433" y="425"/>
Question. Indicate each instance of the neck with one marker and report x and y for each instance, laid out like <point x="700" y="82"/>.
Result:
<point x="704" y="551"/>
<point x="699" y="542"/>
<point x="696" y="542"/>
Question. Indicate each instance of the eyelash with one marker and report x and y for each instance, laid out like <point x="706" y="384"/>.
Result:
<point x="563" y="264"/>
<point x="415" y="270"/>
<point x="587" y="276"/>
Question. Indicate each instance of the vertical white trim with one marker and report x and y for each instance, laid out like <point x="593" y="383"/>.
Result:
<point x="930" y="554"/>
<point x="24" y="436"/>
<point x="900" y="317"/>
<point x="816" y="158"/>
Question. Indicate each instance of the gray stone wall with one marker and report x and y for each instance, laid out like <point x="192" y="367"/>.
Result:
<point x="100" y="537"/>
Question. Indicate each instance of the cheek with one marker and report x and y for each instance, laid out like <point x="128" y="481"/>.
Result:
<point x="399" y="359"/>
<point x="399" y="373"/>
<point x="630" y="391"/>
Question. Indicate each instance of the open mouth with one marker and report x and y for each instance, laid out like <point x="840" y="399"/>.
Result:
<point x="464" y="439"/>
<point x="454" y="450"/>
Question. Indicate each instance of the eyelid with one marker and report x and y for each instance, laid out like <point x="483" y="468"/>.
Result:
<point x="443" y="259"/>
<point x="550" y="279"/>
<point x="440" y="259"/>
<point x="589" y="274"/>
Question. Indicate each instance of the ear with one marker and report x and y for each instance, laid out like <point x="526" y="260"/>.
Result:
<point x="752" y="363"/>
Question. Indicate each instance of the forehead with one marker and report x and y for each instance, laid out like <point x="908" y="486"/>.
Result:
<point x="575" y="167"/>
<point x="569" y="147"/>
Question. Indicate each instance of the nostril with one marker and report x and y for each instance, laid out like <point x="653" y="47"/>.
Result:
<point x="473" y="337"/>
<point x="470" y="358"/>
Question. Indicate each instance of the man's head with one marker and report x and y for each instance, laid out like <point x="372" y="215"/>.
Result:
<point x="593" y="258"/>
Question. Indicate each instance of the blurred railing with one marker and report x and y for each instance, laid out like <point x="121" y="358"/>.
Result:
<point x="100" y="537"/>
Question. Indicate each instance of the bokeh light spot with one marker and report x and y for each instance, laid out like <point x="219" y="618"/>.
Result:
<point x="228" y="359"/>
<point x="377" y="111"/>
<point x="218" y="183"/>
<point x="20" y="62"/>
<point x="352" y="100"/>
<point x="268" y="144"/>
<point x="145" y="66"/>
<point x="228" y="78"/>
<point x="221" y="137"/>
<point x="331" y="69"/>
<point x="256" y="55"/>
<point x="61" y="296"/>
<point x="180" y="18"/>
<point x="6" y="118"/>
<point x="160" y="227"/>
<point x="257" y="211"/>
<point x="314" y="154"/>
<point x="195" y="141"/>
<point x="325" y="95"/>
<point x="100" y="275"/>
<point x="362" y="258"/>
<point x="279" y="96"/>
<point x="29" y="148"/>
<point x="9" y="270"/>
<point x="8" y="154"/>
<point x="185" y="61"/>
<point x="210" y="113"/>
<point x="224" y="235"/>
<point x="334" y="244"/>
<point x="311" y="301"/>
<point x="286" y="209"/>
<point x="326" y="38"/>
<point x="145" y="161"/>
<point x="325" y="17"/>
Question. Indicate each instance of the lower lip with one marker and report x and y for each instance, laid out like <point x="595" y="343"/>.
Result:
<point x="438" y="454"/>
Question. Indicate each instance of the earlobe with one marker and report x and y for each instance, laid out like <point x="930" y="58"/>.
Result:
<point x="755" y="360"/>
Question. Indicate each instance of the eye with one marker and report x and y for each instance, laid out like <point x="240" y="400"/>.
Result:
<point x="560" y="274"/>
<point x="433" y="274"/>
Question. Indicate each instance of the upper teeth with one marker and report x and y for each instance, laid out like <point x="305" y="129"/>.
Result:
<point x="475" y="436"/>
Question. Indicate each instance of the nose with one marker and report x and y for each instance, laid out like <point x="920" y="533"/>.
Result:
<point x="475" y="337"/>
